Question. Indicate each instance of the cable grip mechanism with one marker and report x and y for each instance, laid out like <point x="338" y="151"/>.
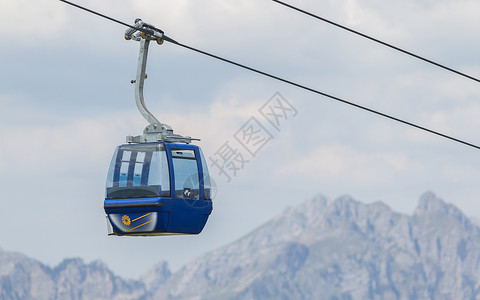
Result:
<point x="145" y="31"/>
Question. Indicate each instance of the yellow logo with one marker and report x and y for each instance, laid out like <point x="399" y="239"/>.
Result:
<point x="126" y="220"/>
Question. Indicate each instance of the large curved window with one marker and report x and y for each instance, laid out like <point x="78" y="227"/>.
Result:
<point x="138" y="171"/>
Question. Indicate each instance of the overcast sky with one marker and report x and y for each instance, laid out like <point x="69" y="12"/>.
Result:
<point x="67" y="102"/>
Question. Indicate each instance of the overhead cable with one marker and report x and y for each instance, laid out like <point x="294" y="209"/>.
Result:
<point x="329" y="96"/>
<point x="301" y="86"/>
<point x="379" y="41"/>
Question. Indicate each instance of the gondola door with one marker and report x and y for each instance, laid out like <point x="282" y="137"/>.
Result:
<point x="189" y="210"/>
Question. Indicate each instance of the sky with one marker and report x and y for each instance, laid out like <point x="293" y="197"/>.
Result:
<point x="67" y="102"/>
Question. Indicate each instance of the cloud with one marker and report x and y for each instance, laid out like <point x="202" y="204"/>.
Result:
<point x="337" y="163"/>
<point x="57" y="147"/>
<point x="31" y="22"/>
<point x="65" y="143"/>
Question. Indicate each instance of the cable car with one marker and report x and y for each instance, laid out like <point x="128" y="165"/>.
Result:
<point x="157" y="183"/>
<point x="157" y="189"/>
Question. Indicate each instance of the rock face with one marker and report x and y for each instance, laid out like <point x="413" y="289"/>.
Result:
<point x="24" y="278"/>
<point x="321" y="249"/>
<point x="342" y="249"/>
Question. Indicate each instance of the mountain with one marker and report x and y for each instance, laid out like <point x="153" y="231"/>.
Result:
<point x="320" y="249"/>
<point x="342" y="249"/>
<point x="24" y="278"/>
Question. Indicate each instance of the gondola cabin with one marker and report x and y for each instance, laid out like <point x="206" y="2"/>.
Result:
<point x="158" y="188"/>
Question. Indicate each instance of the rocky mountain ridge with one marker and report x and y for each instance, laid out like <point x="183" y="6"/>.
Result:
<point x="342" y="249"/>
<point x="320" y="249"/>
<point x="25" y="278"/>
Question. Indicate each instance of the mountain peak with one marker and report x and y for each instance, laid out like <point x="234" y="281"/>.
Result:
<point x="157" y="275"/>
<point x="434" y="213"/>
<point x="429" y="202"/>
<point x="314" y="204"/>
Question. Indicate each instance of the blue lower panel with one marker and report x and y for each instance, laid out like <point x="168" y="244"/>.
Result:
<point x="189" y="216"/>
<point x="131" y="223"/>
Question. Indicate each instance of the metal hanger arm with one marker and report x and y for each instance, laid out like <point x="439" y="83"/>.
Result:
<point x="139" y="82"/>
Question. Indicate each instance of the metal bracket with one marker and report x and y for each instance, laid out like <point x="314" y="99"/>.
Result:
<point x="156" y="131"/>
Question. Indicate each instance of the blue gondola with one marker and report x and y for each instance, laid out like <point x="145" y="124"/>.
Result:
<point x="158" y="183"/>
<point x="157" y="189"/>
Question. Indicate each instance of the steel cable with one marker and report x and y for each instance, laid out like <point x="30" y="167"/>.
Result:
<point x="296" y="84"/>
